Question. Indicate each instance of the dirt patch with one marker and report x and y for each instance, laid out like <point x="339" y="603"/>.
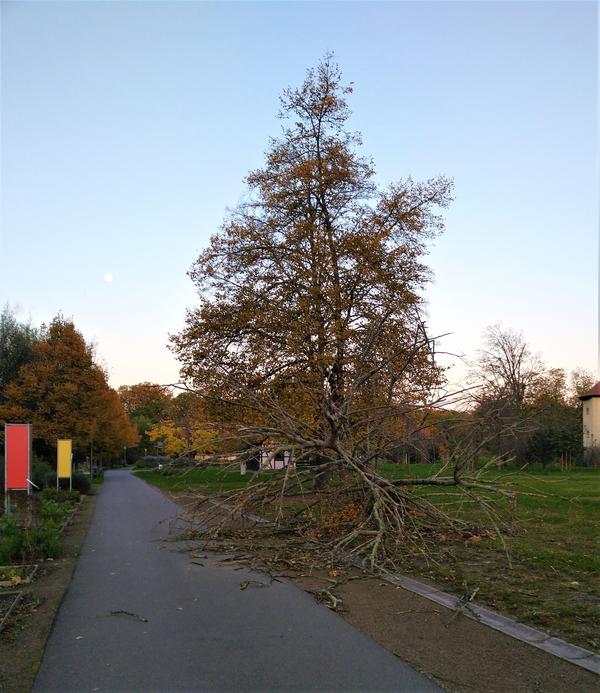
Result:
<point x="23" y="640"/>
<point x="460" y="654"/>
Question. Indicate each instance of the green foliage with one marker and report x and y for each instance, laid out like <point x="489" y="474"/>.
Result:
<point x="60" y="495"/>
<point x="12" y="539"/>
<point x="210" y="479"/>
<point x="53" y="510"/>
<point x="40" y="541"/>
<point x="42" y="473"/>
<point x="16" y="347"/>
<point x="43" y="540"/>
<point x="32" y="533"/>
<point x="81" y="483"/>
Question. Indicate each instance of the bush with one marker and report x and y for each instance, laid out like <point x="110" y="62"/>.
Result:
<point x="43" y="541"/>
<point x="36" y="543"/>
<point x="151" y="462"/>
<point x="12" y="540"/>
<point x="53" y="510"/>
<point x="81" y="483"/>
<point x="61" y="495"/>
<point x="170" y="471"/>
<point x="42" y="473"/>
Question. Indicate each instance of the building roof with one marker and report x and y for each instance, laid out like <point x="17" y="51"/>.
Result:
<point x="594" y="392"/>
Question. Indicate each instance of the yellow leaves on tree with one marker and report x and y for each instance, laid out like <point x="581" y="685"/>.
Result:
<point x="179" y="439"/>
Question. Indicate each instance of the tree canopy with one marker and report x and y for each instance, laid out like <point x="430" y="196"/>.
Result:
<point x="64" y="393"/>
<point x="17" y="341"/>
<point x="310" y="295"/>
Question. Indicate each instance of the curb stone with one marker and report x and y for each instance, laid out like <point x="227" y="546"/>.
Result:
<point x="555" y="646"/>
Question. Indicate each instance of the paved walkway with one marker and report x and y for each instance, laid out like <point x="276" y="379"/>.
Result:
<point x="139" y="616"/>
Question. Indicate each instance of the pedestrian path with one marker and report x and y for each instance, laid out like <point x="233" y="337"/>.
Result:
<point x="139" y="616"/>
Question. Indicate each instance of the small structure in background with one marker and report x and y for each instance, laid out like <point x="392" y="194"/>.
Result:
<point x="276" y="459"/>
<point x="591" y="424"/>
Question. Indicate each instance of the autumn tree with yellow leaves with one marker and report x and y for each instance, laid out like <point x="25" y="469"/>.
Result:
<point x="184" y="430"/>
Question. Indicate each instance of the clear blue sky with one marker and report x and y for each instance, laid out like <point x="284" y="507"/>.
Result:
<point x="127" y="129"/>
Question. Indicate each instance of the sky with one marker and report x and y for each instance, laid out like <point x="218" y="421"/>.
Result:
<point x="127" y="129"/>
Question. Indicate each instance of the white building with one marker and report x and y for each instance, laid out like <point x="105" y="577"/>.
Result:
<point x="282" y="459"/>
<point x="591" y="417"/>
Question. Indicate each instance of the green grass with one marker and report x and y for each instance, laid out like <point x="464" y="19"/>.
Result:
<point x="554" y="580"/>
<point x="208" y="480"/>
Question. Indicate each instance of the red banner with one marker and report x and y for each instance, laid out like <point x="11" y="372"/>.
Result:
<point x="17" y="456"/>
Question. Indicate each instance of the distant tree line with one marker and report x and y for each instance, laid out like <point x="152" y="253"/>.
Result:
<point x="534" y="410"/>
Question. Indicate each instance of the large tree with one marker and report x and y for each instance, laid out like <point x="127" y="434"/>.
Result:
<point x="314" y="283"/>
<point x="310" y="332"/>
<point x="64" y="393"/>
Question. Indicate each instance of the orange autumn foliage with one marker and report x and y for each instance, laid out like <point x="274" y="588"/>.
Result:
<point x="64" y="393"/>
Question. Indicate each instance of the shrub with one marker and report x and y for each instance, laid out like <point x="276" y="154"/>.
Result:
<point x="81" y="483"/>
<point x="151" y="462"/>
<point x="60" y="495"/>
<point x="170" y="471"/>
<point x="43" y="541"/>
<point x="144" y="464"/>
<point x="12" y="539"/>
<point x="53" y="510"/>
<point x="41" y="473"/>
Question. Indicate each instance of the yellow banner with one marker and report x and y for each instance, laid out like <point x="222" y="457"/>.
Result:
<point x="64" y="456"/>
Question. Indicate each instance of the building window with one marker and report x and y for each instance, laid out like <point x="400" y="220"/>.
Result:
<point x="587" y="410"/>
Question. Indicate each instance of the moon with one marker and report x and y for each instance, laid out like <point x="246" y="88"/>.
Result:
<point x="108" y="277"/>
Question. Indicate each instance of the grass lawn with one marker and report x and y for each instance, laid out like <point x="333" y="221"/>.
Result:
<point x="207" y="480"/>
<point x="554" y="580"/>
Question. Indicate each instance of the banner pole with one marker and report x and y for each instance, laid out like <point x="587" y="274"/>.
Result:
<point x="6" y="496"/>
<point x="30" y="445"/>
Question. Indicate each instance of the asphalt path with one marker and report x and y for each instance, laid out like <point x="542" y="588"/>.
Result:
<point x="140" y="616"/>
